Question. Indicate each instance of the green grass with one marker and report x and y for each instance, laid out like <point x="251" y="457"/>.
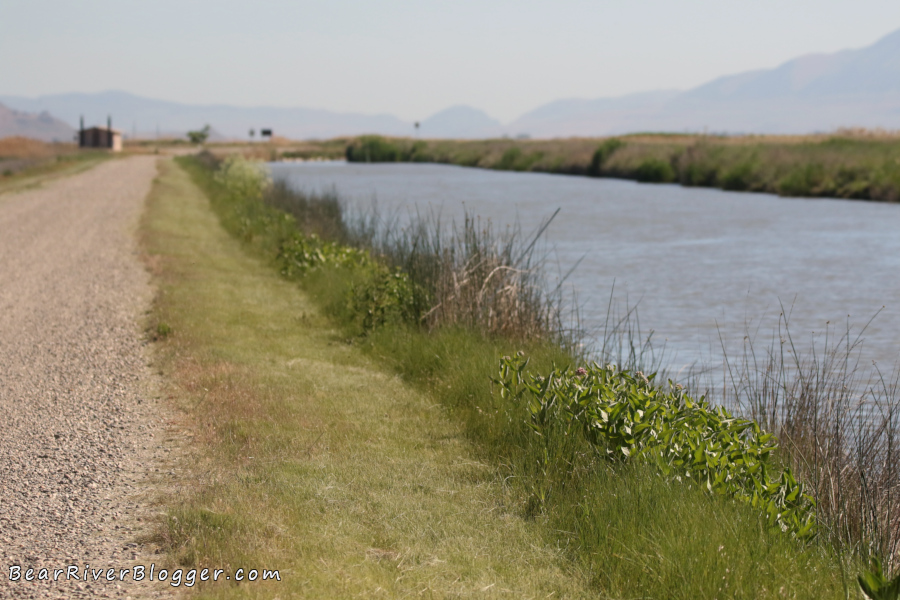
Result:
<point x="385" y="461"/>
<point x="634" y="534"/>
<point x="311" y="458"/>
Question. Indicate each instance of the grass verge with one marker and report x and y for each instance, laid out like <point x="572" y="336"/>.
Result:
<point x="617" y="531"/>
<point x="310" y="458"/>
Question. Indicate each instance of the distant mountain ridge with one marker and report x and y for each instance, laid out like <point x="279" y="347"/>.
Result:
<point x="871" y="70"/>
<point x="461" y="122"/>
<point x="146" y="116"/>
<point x="813" y="93"/>
<point x="577" y="117"/>
<point x="41" y="126"/>
<point x="817" y="92"/>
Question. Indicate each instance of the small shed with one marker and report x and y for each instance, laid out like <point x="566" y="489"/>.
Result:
<point x="100" y="137"/>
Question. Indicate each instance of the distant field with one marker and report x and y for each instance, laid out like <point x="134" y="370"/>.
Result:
<point x="25" y="161"/>
<point x="848" y="164"/>
<point x="23" y="147"/>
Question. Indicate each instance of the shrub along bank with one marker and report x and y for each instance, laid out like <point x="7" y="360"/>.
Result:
<point x="641" y="484"/>
<point x="845" y="165"/>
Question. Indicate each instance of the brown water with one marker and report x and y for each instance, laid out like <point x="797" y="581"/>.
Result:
<point x="700" y="263"/>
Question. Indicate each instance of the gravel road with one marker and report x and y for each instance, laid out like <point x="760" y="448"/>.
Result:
<point x="82" y="435"/>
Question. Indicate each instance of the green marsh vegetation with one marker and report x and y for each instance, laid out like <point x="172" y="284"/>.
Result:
<point x="848" y="164"/>
<point x="441" y="307"/>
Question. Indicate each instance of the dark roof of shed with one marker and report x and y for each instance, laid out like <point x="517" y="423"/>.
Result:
<point x="119" y="131"/>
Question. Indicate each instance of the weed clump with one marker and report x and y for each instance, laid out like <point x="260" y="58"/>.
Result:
<point x="624" y="416"/>
<point x="163" y="330"/>
<point x="654" y="170"/>
<point x="602" y="154"/>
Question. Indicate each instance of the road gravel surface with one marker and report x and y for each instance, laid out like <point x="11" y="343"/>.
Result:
<point x="83" y="435"/>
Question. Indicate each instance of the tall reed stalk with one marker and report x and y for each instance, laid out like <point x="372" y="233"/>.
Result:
<point x="839" y="426"/>
<point x="464" y="275"/>
<point x="317" y="214"/>
<point x="473" y="276"/>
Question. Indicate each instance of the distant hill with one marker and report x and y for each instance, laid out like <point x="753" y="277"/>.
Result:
<point x="575" y="117"/>
<point x="818" y="92"/>
<point x="41" y="126"/>
<point x="864" y="72"/>
<point x="146" y="116"/>
<point x="461" y="122"/>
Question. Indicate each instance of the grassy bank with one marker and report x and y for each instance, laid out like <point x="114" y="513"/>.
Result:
<point x="311" y="458"/>
<point x="617" y="528"/>
<point x="855" y="165"/>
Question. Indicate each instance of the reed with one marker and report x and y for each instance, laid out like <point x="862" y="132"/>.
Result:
<point x="837" y="421"/>
<point x="472" y="275"/>
<point x="839" y="426"/>
<point x="463" y="274"/>
<point x="315" y="214"/>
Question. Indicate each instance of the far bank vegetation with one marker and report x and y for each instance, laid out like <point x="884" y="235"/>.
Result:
<point x="848" y="164"/>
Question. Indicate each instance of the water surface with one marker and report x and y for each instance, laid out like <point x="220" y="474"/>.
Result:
<point x="700" y="262"/>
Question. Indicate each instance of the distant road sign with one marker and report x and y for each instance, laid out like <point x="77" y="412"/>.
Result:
<point x="265" y="132"/>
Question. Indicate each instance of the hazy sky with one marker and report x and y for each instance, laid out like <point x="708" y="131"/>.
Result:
<point x="412" y="58"/>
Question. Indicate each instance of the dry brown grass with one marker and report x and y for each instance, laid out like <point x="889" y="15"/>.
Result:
<point x="25" y="162"/>
<point x="23" y="147"/>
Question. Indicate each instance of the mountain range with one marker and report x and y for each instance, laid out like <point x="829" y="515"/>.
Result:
<point x="813" y="93"/>
<point x="817" y="92"/>
<point x="41" y="126"/>
<point x="146" y="117"/>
